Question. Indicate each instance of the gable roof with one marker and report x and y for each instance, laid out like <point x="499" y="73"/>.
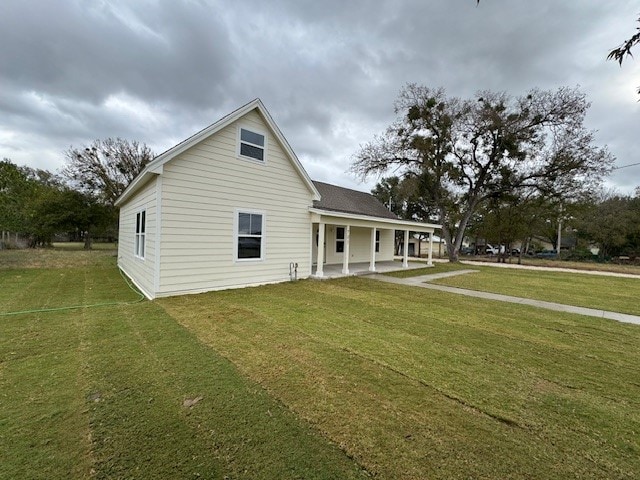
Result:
<point x="155" y="166"/>
<point x="340" y="199"/>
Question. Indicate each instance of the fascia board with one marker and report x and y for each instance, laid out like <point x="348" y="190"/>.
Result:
<point x="388" y="221"/>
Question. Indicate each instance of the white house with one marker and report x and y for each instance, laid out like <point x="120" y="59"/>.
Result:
<point x="232" y="206"/>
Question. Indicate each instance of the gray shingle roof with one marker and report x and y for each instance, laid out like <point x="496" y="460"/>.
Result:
<point x="340" y="199"/>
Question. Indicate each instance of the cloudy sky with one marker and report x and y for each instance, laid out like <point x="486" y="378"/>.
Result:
<point x="328" y="71"/>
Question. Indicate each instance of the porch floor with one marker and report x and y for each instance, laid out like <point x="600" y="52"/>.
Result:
<point x="362" y="268"/>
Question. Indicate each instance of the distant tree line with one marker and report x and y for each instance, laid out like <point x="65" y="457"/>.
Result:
<point x="78" y="202"/>
<point x="606" y="221"/>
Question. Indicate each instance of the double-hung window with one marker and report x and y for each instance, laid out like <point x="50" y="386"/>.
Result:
<point x="252" y="145"/>
<point x="377" y="241"/>
<point x="141" y="220"/>
<point x="250" y="241"/>
<point x="339" y="239"/>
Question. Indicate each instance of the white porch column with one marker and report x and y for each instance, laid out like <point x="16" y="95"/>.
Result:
<point x="320" y="255"/>
<point x="345" y="252"/>
<point x="405" y="250"/>
<point x="372" y="261"/>
<point x="430" y="253"/>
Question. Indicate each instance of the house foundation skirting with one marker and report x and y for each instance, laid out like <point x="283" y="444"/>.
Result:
<point x="362" y="268"/>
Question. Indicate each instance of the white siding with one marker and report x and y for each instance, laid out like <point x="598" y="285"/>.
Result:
<point x="203" y="188"/>
<point x="386" y="245"/>
<point x="141" y="271"/>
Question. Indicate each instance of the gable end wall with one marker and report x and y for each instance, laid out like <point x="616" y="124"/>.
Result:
<point x="203" y="188"/>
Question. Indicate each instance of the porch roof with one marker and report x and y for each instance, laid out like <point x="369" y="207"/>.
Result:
<point x="346" y="200"/>
<point x="357" y="220"/>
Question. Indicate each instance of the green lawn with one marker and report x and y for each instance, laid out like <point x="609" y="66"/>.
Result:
<point x="552" y="262"/>
<point x="307" y="380"/>
<point x="99" y="393"/>
<point x="436" y="268"/>
<point x="580" y="289"/>
<point x="65" y="255"/>
<point x="415" y="383"/>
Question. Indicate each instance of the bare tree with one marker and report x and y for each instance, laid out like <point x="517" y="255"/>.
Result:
<point x="106" y="167"/>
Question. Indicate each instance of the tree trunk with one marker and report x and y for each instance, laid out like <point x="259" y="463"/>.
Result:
<point x="451" y="252"/>
<point x="88" y="241"/>
<point x="454" y="244"/>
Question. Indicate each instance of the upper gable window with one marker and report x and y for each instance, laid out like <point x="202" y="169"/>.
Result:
<point x="252" y="145"/>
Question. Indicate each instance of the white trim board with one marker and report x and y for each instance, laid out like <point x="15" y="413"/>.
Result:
<point x="377" y="221"/>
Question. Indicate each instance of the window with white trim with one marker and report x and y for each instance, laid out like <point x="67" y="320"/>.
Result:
<point x="250" y="241"/>
<point x="252" y="145"/>
<point x="339" y="239"/>
<point x="377" y="241"/>
<point x="141" y="227"/>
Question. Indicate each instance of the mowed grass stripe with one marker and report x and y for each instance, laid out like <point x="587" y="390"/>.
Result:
<point x="99" y="393"/>
<point x="43" y="415"/>
<point x="368" y="410"/>
<point x="236" y="423"/>
<point x="35" y="289"/>
<point x="543" y="375"/>
<point x="394" y="328"/>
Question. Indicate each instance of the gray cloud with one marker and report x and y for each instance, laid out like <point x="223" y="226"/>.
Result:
<point x="157" y="71"/>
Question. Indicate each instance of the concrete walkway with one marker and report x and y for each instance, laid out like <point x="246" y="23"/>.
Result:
<point x="558" y="307"/>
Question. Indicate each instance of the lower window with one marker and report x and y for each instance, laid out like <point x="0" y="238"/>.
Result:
<point x="250" y="236"/>
<point x="141" y="228"/>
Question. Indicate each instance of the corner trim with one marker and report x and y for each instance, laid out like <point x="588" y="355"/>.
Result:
<point x="158" y="233"/>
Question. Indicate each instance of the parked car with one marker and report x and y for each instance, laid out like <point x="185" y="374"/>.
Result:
<point x="547" y="254"/>
<point x="491" y="250"/>
<point x="467" y="251"/>
<point x="515" y="251"/>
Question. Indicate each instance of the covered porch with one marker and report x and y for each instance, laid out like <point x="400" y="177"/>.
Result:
<point x="352" y="244"/>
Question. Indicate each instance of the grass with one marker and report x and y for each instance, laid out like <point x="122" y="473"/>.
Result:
<point x="592" y="291"/>
<point x="99" y="393"/>
<point x="436" y="268"/>
<point x="420" y="384"/>
<point x="63" y="255"/>
<point x="551" y="262"/>
<point x="329" y="379"/>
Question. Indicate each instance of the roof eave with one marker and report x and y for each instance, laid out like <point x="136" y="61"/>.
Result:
<point x="137" y="182"/>
<point x="354" y="216"/>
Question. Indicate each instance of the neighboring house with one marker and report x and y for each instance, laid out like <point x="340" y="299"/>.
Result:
<point x="419" y="247"/>
<point x="232" y="206"/>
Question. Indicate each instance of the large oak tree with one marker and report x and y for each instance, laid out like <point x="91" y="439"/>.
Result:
<point x="463" y="152"/>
